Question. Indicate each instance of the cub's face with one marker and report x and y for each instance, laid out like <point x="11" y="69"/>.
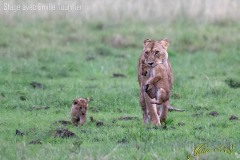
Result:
<point x="81" y="105"/>
<point x="155" y="52"/>
<point x="145" y="68"/>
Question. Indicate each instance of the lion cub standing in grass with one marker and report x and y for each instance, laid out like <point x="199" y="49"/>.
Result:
<point x="79" y="111"/>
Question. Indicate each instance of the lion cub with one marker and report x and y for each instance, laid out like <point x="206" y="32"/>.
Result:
<point x="79" y="111"/>
<point x="157" y="85"/>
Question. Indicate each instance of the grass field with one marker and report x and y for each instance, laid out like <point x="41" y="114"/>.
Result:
<point x="47" y="62"/>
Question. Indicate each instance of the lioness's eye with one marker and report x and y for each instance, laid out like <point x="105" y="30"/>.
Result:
<point x="156" y="52"/>
<point x="147" y="52"/>
<point x="80" y="107"/>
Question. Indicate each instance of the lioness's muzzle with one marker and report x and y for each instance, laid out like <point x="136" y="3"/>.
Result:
<point x="150" y="63"/>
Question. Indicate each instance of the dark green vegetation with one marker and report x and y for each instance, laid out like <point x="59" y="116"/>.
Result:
<point x="44" y="65"/>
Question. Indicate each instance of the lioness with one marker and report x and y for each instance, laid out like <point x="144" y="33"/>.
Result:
<point x="150" y="55"/>
<point x="79" y="111"/>
<point x="157" y="86"/>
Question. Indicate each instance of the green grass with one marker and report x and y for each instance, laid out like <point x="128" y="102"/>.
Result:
<point x="74" y="59"/>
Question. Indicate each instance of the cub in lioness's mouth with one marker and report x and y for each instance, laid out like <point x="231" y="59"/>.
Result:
<point x="154" y="53"/>
<point x="157" y="87"/>
<point x="79" y="111"/>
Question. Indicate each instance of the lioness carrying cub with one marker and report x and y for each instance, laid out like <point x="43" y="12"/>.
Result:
<point x="154" y="53"/>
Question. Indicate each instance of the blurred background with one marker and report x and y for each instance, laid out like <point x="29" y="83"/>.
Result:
<point x="201" y="11"/>
<point x="185" y="23"/>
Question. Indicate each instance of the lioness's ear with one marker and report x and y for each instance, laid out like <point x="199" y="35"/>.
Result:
<point x="146" y="41"/>
<point x="165" y="43"/>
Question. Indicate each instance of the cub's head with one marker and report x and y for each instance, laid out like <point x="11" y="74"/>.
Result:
<point x="81" y="105"/>
<point x="145" y="68"/>
<point x="155" y="52"/>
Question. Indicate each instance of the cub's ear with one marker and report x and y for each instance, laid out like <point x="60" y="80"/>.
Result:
<point x="165" y="43"/>
<point x="87" y="99"/>
<point x="146" y="41"/>
<point x="75" y="101"/>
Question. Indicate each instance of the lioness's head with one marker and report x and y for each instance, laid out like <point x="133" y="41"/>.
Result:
<point x="81" y="104"/>
<point x="155" y="52"/>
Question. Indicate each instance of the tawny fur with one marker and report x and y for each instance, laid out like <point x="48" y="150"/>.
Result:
<point x="157" y="86"/>
<point x="79" y="111"/>
<point x="154" y="52"/>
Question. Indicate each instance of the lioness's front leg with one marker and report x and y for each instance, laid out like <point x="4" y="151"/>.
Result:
<point x="152" y="110"/>
<point x="144" y="108"/>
